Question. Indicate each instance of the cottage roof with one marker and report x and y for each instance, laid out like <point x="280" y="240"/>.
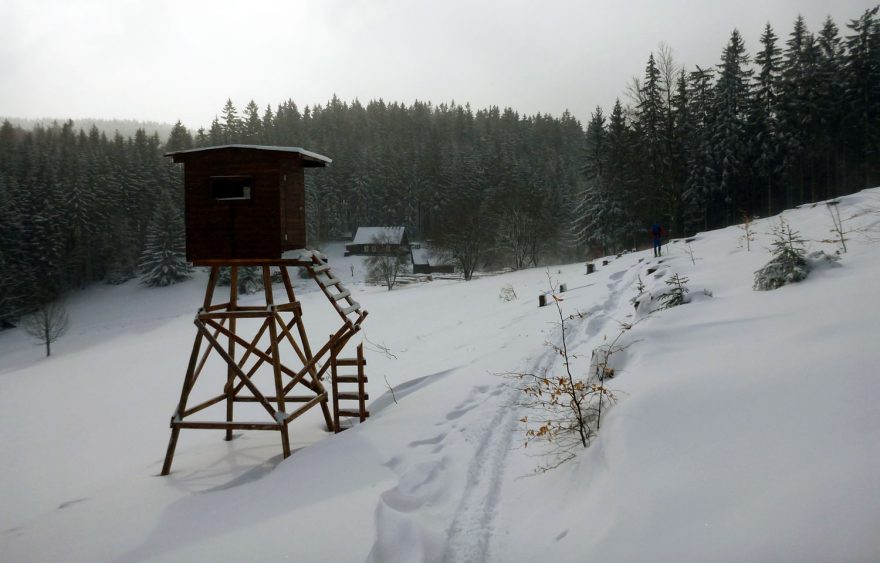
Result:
<point x="426" y="256"/>
<point x="420" y="256"/>
<point x="388" y="235"/>
<point x="313" y="158"/>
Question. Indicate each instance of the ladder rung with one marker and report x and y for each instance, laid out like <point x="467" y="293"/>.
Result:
<point x="351" y="396"/>
<point x="342" y="295"/>
<point x="349" y="379"/>
<point x="355" y="306"/>
<point x="348" y="362"/>
<point x="328" y="282"/>
<point x="321" y="268"/>
<point x="353" y="413"/>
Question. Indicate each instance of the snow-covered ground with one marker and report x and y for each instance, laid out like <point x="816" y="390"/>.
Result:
<point x="746" y="428"/>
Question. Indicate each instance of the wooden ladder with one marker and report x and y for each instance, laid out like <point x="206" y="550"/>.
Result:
<point x="349" y="309"/>
<point x="360" y="395"/>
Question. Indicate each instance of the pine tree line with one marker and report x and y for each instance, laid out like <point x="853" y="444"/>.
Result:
<point x="697" y="149"/>
<point x="76" y="208"/>
<point x="694" y="149"/>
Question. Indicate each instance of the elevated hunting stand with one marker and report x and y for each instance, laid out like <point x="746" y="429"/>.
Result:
<point x="245" y="206"/>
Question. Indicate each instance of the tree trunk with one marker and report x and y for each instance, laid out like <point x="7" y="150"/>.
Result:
<point x="46" y="337"/>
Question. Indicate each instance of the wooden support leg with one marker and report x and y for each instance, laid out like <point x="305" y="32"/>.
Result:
<point x="360" y="377"/>
<point x="230" y="373"/>
<point x="188" y="381"/>
<point x="335" y="385"/>
<point x="276" y="360"/>
<point x="285" y="441"/>
<point x="307" y="350"/>
<point x="169" y="455"/>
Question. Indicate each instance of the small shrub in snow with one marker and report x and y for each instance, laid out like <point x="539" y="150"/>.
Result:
<point x="565" y="409"/>
<point x="838" y="228"/>
<point x="386" y="269"/>
<point x="690" y="252"/>
<point x="560" y="402"/>
<point x="788" y="264"/>
<point x="47" y="324"/>
<point x="507" y="294"/>
<point x="819" y="259"/>
<point x="748" y="236"/>
<point x="640" y="285"/>
<point x="837" y="223"/>
<point x="640" y="296"/>
<point x="676" y="295"/>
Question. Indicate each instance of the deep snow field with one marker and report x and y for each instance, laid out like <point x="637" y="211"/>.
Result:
<point x="747" y="426"/>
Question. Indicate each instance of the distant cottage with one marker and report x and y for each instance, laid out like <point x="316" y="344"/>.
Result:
<point x="424" y="261"/>
<point x="378" y="240"/>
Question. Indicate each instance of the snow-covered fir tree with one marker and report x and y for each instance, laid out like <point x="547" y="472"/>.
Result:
<point x="163" y="260"/>
<point x="788" y="264"/>
<point x="249" y="278"/>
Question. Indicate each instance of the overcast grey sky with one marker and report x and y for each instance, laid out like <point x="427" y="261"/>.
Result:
<point x="166" y="60"/>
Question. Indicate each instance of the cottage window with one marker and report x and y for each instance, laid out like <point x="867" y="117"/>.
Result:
<point x="232" y="188"/>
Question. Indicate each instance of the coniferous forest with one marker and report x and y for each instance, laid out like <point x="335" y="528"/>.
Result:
<point x="793" y="119"/>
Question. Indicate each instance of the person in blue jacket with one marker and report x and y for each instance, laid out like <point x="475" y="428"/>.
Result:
<point x="657" y="234"/>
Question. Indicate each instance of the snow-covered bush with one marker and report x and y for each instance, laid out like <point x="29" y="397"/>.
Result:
<point x="676" y="294"/>
<point x="658" y="297"/>
<point x="788" y="264"/>
<point x="507" y="294"/>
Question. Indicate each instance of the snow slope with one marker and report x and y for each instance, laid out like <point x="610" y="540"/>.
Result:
<point x="746" y="427"/>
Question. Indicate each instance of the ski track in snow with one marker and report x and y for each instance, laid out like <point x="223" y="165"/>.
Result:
<point x="471" y="534"/>
<point x="472" y="527"/>
<point x="403" y="515"/>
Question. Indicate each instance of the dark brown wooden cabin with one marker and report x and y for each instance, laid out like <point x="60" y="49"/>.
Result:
<point x="245" y="202"/>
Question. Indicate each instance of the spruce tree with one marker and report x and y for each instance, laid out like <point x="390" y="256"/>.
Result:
<point x="179" y="139"/>
<point x="862" y="72"/>
<point x="732" y="100"/>
<point x="700" y="186"/>
<point x="163" y="260"/>
<point x="792" y="107"/>
<point x="252" y="126"/>
<point x="788" y="264"/>
<point x="830" y="98"/>
<point x="231" y="125"/>
<point x="764" y="118"/>
<point x="592" y="200"/>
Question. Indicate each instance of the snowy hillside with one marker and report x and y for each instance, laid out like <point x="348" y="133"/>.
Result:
<point x="746" y="426"/>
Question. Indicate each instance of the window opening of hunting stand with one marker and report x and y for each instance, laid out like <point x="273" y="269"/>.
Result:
<point x="232" y="188"/>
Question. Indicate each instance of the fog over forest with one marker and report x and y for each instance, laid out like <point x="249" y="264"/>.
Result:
<point x="795" y="119"/>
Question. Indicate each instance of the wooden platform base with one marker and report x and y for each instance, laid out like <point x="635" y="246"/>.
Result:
<point x="281" y="332"/>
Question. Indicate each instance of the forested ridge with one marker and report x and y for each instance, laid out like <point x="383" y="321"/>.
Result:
<point x="796" y="120"/>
